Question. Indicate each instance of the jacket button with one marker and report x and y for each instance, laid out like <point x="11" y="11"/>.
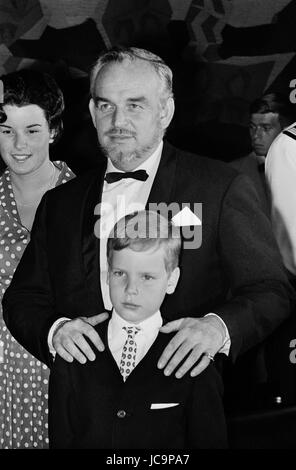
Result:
<point x="121" y="414"/>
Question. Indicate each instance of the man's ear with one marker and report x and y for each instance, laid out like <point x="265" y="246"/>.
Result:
<point x="52" y="135"/>
<point x="92" y="110"/>
<point x="167" y="112"/>
<point x="107" y="280"/>
<point x="173" y="280"/>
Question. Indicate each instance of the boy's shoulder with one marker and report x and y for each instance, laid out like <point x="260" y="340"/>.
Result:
<point x="103" y="326"/>
<point x="59" y="363"/>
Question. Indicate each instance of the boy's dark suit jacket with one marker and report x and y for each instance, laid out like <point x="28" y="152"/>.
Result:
<point x="90" y="405"/>
<point x="58" y="274"/>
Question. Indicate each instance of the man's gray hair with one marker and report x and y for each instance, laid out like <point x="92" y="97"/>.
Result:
<point x="119" y="54"/>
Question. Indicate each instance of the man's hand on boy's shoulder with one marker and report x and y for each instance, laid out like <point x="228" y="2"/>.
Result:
<point x="69" y="338"/>
<point x="198" y="337"/>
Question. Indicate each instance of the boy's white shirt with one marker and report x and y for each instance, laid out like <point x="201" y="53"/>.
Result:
<point x="117" y="336"/>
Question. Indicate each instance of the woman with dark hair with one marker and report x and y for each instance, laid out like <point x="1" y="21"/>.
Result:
<point x="30" y="120"/>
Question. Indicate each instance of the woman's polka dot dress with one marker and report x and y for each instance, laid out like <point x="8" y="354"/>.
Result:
<point x="23" y="379"/>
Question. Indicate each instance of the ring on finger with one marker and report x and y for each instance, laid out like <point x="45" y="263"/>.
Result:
<point x="209" y="356"/>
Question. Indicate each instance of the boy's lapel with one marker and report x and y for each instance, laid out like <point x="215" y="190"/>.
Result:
<point x="150" y="360"/>
<point x="105" y="360"/>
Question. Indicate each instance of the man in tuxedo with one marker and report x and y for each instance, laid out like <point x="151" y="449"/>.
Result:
<point x="53" y="302"/>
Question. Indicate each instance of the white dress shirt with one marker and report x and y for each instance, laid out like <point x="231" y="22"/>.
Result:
<point x="144" y="339"/>
<point x="280" y="172"/>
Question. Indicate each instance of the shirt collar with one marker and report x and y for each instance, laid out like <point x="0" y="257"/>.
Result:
<point x="150" y="324"/>
<point x="259" y="158"/>
<point x="146" y="165"/>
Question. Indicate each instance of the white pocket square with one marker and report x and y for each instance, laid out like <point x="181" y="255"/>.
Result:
<point x="159" y="406"/>
<point x="185" y="218"/>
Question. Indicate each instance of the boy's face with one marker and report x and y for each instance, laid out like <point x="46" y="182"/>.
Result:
<point x="138" y="282"/>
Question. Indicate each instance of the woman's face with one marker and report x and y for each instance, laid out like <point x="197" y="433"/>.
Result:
<point x="24" y="138"/>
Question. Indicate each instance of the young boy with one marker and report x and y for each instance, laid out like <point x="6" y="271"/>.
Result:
<point x="122" y="400"/>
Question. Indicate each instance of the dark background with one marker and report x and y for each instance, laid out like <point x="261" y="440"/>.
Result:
<point x="224" y="54"/>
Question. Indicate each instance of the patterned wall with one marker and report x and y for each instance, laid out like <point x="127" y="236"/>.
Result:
<point x="224" y="54"/>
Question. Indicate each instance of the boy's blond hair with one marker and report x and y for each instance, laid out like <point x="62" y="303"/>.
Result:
<point x="143" y="230"/>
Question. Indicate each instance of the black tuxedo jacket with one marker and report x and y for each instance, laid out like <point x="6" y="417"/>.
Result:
<point x="90" y="406"/>
<point x="59" y="271"/>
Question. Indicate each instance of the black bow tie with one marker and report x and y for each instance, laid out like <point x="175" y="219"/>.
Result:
<point x="114" y="176"/>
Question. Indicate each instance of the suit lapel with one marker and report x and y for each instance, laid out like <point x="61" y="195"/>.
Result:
<point x="104" y="366"/>
<point x="148" y="364"/>
<point x="91" y="243"/>
<point x="165" y="180"/>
